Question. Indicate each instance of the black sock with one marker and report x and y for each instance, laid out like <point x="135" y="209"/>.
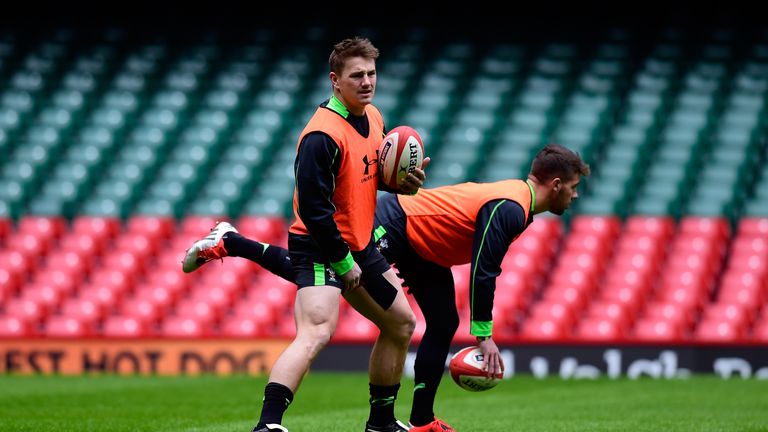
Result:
<point x="239" y="246"/>
<point x="423" y="403"/>
<point x="382" y="404"/>
<point x="277" y="397"/>
<point x="273" y="258"/>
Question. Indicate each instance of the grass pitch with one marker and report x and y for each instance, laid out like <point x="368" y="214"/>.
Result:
<point x="338" y="402"/>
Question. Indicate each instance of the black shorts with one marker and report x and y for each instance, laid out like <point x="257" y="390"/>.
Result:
<point x="312" y="268"/>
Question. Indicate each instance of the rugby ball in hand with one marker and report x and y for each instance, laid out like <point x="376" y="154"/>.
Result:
<point x="466" y="369"/>
<point x="401" y="151"/>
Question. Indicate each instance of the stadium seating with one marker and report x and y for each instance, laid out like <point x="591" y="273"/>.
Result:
<point x="118" y="155"/>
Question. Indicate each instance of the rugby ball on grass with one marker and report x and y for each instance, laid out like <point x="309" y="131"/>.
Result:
<point x="466" y="369"/>
<point x="401" y="151"/>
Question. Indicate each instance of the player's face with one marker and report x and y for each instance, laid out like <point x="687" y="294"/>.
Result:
<point x="565" y="195"/>
<point x="356" y="84"/>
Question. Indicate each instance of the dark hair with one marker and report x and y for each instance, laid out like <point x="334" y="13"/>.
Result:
<point x="555" y="160"/>
<point x="353" y="47"/>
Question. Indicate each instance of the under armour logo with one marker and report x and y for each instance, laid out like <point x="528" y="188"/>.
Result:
<point x="368" y="164"/>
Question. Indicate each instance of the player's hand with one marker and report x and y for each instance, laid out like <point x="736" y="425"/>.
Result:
<point x="491" y="357"/>
<point x="415" y="179"/>
<point x="351" y="278"/>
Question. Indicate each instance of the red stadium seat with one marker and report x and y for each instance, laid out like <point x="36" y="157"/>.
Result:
<point x="659" y="227"/>
<point x="75" y="264"/>
<point x="228" y="279"/>
<point x="674" y="313"/>
<point x="737" y="314"/>
<point x="537" y="247"/>
<point x="10" y="281"/>
<point x="142" y="309"/>
<point x="751" y="280"/>
<point x="174" y="279"/>
<point x="16" y="262"/>
<point x="217" y="296"/>
<point x="716" y="330"/>
<point x="84" y="245"/>
<point x="642" y="243"/>
<point x="161" y="296"/>
<point x="120" y="326"/>
<point x="184" y="327"/>
<point x="686" y="297"/>
<point x="106" y="297"/>
<point x="603" y="226"/>
<point x="570" y="275"/>
<point x="515" y="297"/>
<point x="119" y="280"/>
<point x="760" y="331"/>
<point x="14" y="327"/>
<point x="65" y="281"/>
<point x="155" y="227"/>
<point x="44" y="294"/>
<point x="200" y="225"/>
<point x="30" y="245"/>
<point x="201" y="311"/>
<point x="633" y="298"/>
<point x="85" y="310"/>
<point x="690" y="280"/>
<point x="564" y="313"/>
<point x="742" y="260"/>
<point x="612" y="310"/>
<point x="67" y="327"/>
<point x="27" y="310"/>
<point x="522" y="262"/>
<point x="258" y="310"/>
<point x="599" y="329"/>
<point x="546" y="228"/>
<point x="589" y="242"/>
<point x="267" y="229"/>
<point x="751" y="227"/>
<point x="125" y="261"/>
<point x="285" y="329"/>
<point x="710" y="227"/>
<point x="355" y="328"/>
<point x="238" y="326"/>
<point x="101" y="227"/>
<point x="273" y="290"/>
<point x="642" y="262"/>
<point x="140" y="244"/>
<point x="6" y="226"/>
<point x="750" y="298"/>
<point x="542" y="329"/>
<point x="628" y="277"/>
<point x="589" y="262"/>
<point x="657" y="330"/>
<point x="575" y="296"/>
<point x="43" y="227"/>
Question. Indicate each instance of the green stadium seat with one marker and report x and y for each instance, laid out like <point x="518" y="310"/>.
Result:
<point x="121" y="100"/>
<point x="599" y="205"/>
<point x="132" y="83"/>
<point x="21" y="102"/>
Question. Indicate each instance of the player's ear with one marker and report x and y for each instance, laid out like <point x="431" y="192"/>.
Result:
<point x="334" y="80"/>
<point x="556" y="184"/>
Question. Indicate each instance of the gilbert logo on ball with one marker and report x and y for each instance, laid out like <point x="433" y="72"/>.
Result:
<point x="400" y="152"/>
<point x="466" y="369"/>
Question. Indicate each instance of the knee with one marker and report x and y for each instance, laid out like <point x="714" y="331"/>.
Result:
<point x="315" y="338"/>
<point x="401" y="325"/>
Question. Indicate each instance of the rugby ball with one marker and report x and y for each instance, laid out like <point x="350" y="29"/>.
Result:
<point x="466" y="369"/>
<point x="401" y="151"/>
